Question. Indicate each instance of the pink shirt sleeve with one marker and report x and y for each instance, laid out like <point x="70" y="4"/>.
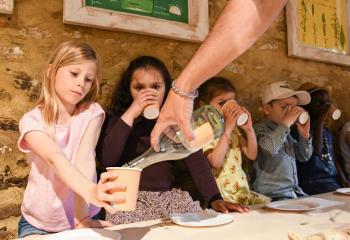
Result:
<point x="30" y="122"/>
<point x="96" y="110"/>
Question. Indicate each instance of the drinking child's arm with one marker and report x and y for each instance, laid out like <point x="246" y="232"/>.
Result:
<point x="249" y="145"/>
<point x="43" y="146"/>
<point x="271" y="141"/>
<point x="85" y="162"/>
<point x="217" y="155"/>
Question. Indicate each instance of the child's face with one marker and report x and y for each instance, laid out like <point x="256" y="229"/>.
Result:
<point x="275" y="110"/>
<point x="147" y="79"/>
<point x="73" y="82"/>
<point x="221" y="99"/>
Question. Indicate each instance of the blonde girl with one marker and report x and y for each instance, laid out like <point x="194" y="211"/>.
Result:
<point x="59" y="137"/>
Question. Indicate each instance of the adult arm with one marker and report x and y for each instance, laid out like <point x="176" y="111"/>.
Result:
<point x="240" y="24"/>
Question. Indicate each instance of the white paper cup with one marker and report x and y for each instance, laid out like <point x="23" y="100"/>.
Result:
<point x="131" y="177"/>
<point x="336" y="114"/>
<point x="303" y="117"/>
<point x="151" y="111"/>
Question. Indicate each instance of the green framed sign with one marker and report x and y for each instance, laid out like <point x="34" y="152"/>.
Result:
<point x="164" y="9"/>
<point x="178" y="19"/>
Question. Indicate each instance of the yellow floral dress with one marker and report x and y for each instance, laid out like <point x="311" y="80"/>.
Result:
<point x="230" y="178"/>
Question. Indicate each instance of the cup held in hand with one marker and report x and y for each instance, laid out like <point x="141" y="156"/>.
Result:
<point x="131" y="177"/>
<point x="242" y="118"/>
<point x="303" y="118"/>
<point x="151" y="111"/>
<point x="336" y="114"/>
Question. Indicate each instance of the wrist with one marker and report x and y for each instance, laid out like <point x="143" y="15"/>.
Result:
<point x="183" y="92"/>
<point x="186" y="85"/>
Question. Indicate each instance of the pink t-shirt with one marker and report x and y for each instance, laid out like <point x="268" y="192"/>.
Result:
<point x="48" y="204"/>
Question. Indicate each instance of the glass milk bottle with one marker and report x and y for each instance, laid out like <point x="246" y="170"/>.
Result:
<point x="207" y="124"/>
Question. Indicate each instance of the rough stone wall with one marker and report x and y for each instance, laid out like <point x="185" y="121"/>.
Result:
<point x="28" y="36"/>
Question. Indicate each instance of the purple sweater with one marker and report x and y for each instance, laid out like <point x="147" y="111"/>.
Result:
<point x="119" y="143"/>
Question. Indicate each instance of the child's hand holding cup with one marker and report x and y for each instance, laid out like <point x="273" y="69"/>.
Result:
<point x="131" y="177"/>
<point x="243" y="116"/>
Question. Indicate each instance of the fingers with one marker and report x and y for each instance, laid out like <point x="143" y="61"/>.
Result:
<point x="237" y="207"/>
<point x="108" y="176"/>
<point x="158" y="129"/>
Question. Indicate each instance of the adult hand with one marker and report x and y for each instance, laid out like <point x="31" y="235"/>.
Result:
<point x="176" y="111"/>
<point x="225" y="207"/>
<point x="101" y="194"/>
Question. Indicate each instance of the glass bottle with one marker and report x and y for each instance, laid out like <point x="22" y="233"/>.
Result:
<point x="207" y="124"/>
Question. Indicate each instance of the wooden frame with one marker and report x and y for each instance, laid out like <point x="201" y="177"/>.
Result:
<point x="297" y="11"/>
<point x="6" y="6"/>
<point x="197" y="28"/>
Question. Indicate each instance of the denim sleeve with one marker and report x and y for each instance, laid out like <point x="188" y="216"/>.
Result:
<point x="271" y="141"/>
<point x="303" y="149"/>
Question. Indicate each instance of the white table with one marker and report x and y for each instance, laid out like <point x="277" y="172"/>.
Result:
<point x="260" y="223"/>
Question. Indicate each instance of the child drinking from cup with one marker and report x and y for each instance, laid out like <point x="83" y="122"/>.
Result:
<point x="276" y="170"/>
<point x="320" y="174"/>
<point x="225" y="154"/>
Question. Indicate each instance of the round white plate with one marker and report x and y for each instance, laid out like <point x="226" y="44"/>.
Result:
<point x="343" y="191"/>
<point x="294" y="205"/>
<point x="86" y="234"/>
<point x="201" y="219"/>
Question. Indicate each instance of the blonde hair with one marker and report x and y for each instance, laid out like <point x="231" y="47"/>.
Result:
<point x="67" y="53"/>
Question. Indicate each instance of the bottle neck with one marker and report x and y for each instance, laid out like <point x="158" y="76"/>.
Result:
<point x="140" y="161"/>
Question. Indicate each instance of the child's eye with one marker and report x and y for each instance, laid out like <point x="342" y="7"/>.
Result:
<point x="74" y="74"/>
<point x="156" y="87"/>
<point x="138" y="88"/>
<point x="88" y="79"/>
<point x="222" y="103"/>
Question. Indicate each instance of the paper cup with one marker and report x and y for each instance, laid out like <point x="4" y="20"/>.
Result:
<point x="242" y="118"/>
<point x="131" y="177"/>
<point x="303" y="117"/>
<point x="151" y="111"/>
<point x="336" y="114"/>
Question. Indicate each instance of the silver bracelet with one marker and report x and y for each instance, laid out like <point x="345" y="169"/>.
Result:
<point x="190" y="95"/>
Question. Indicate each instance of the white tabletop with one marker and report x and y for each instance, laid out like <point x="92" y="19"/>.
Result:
<point x="260" y="223"/>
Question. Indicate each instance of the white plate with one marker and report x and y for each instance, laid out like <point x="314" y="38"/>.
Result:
<point x="344" y="191"/>
<point x="201" y="219"/>
<point x="294" y="205"/>
<point x="86" y="234"/>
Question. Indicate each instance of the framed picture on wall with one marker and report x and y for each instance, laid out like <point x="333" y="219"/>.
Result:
<point x="177" y="19"/>
<point x="6" y="6"/>
<point x="319" y="30"/>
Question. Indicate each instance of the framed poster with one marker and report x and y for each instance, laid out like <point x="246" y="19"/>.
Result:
<point x="319" y="30"/>
<point x="177" y="19"/>
<point x="6" y="6"/>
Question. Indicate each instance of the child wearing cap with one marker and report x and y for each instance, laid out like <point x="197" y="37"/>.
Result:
<point x="275" y="168"/>
<point x="319" y="174"/>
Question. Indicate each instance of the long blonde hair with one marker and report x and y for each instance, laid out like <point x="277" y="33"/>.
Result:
<point x="67" y="53"/>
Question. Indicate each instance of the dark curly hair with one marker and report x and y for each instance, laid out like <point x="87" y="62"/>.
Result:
<point x="122" y="96"/>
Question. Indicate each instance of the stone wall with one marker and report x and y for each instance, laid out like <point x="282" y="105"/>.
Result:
<point x="28" y="36"/>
